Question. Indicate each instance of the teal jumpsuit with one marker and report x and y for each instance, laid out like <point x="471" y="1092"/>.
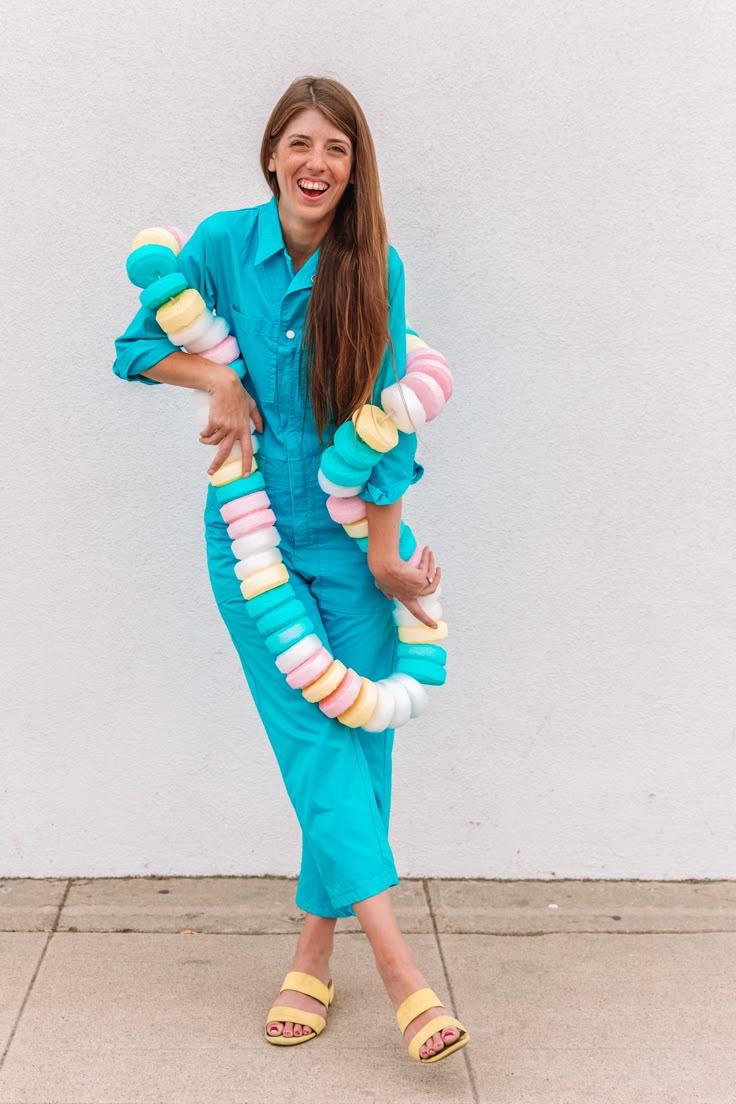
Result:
<point x="338" y="779"/>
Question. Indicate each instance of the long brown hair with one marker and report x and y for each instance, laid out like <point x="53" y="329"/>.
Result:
<point x="346" y="328"/>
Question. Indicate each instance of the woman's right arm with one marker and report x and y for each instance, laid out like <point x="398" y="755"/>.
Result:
<point x="231" y="407"/>
<point x="145" y="354"/>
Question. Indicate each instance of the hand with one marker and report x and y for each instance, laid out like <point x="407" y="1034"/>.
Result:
<point x="231" y="408"/>
<point x="406" y="582"/>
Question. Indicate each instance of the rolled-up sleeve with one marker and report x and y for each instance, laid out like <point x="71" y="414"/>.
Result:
<point x="144" y="343"/>
<point x="397" y="470"/>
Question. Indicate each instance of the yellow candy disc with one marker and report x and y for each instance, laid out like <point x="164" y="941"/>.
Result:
<point x="156" y="235"/>
<point x="422" y="634"/>
<point x="357" y="528"/>
<point x="265" y="579"/>
<point x="231" y="470"/>
<point x="413" y="342"/>
<point x="363" y="706"/>
<point x="326" y="683"/>
<point x="180" y="311"/>
<point x="376" y="428"/>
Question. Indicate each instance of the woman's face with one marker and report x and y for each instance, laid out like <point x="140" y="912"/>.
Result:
<point x="311" y="150"/>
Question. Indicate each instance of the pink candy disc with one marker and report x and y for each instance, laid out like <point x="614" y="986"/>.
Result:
<point x="260" y="519"/>
<point x="416" y="555"/>
<point x="309" y="670"/>
<point x="420" y="354"/>
<point x="342" y="698"/>
<point x="431" y="364"/>
<point x="428" y="391"/>
<point x="178" y="234"/>
<point x="226" y="352"/>
<point x="345" y="510"/>
<point x="246" y="504"/>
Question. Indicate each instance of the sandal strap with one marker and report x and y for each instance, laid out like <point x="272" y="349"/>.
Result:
<point x="416" y="1003"/>
<point x="428" y="1030"/>
<point x="297" y="1015"/>
<point x="308" y="984"/>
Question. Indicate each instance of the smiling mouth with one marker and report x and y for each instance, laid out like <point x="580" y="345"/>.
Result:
<point x="312" y="193"/>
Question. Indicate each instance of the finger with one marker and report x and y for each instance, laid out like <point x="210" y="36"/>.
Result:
<point x="214" y="437"/>
<point x="431" y="587"/>
<point x="222" y="453"/>
<point x="246" y="449"/>
<point x="256" y="415"/>
<point x="431" y="566"/>
<point x="413" y="606"/>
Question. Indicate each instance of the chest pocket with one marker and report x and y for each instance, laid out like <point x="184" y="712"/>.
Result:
<point x="258" y="341"/>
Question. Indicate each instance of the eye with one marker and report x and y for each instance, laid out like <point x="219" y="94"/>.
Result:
<point x="297" y="142"/>
<point x="338" y="149"/>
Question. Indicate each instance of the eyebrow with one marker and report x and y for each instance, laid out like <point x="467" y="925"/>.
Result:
<point x="343" y="141"/>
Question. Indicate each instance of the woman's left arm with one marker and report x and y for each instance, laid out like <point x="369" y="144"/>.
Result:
<point x="393" y="576"/>
<point x="394" y="473"/>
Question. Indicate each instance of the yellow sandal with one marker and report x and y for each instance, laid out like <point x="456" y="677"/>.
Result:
<point x="311" y="986"/>
<point x="416" y="1003"/>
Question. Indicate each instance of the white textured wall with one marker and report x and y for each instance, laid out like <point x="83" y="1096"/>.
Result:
<point x="559" y="180"/>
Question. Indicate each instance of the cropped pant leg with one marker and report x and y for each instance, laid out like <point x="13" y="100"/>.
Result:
<point x="358" y="623"/>
<point x="337" y="778"/>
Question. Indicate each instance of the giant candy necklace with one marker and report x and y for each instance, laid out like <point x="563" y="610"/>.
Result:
<point x="345" y="468"/>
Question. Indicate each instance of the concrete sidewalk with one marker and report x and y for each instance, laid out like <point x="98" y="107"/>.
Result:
<point x="155" y="991"/>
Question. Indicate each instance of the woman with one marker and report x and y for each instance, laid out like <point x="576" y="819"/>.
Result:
<point x="309" y="279"/>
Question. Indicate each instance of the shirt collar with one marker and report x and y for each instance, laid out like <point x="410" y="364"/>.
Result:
<point x="270" y="237"/>
<point x="271" y="241"/>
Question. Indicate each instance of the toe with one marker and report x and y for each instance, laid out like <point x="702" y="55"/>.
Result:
<point x="437" y="1043"/>
<point x="306" y="1030"/>
<point x="288" y="1029"/>
<point x="275" y="1027"/>
<point x="297" y="1029"/>
<point x="450" y="1035"/>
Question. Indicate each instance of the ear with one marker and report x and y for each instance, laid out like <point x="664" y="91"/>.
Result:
<point x="271" y="165"/>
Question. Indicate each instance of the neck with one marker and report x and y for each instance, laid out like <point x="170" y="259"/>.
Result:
<point x="302" y="238"/>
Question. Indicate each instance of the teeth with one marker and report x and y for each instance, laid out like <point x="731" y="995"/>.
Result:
<point x="313" y="187"/>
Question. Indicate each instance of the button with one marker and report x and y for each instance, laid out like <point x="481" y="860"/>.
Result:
<point x="290" y="334"/>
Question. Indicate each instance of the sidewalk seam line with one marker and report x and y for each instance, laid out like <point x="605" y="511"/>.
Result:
<point x="468" y="1064"/>
<point x="34" y="975"/>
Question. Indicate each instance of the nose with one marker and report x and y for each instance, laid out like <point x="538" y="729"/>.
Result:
<point x="316" y="161"/>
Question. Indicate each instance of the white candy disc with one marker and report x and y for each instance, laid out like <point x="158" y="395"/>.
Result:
<point x="253" y="544"/>
<point x="336" y="489"/>
<point x="395" y="400"/>
<point x="216" y="332"/>
<point x="200" y="325"/>
<point x="249" y="564"/>
<point x="382" y="715"/>
<point x="417" y="693"/>
<point x="402" y="616"/>
<point x="401" y="700"/>
<point x="430" y="597"/>
<point x="241" y="552"/>
<point x="297" y="653"/>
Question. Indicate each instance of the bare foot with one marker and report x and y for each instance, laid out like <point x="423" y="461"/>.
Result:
<point x="401" y="979"/>
<point x="320" y="967"/>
